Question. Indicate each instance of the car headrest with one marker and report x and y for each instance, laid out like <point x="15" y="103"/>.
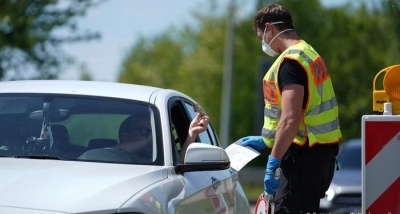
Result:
<point x="60" y="134"/>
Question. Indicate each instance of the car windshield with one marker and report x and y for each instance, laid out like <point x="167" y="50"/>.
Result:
<point x="79" y="128"/>
<point x="350" y="157"/>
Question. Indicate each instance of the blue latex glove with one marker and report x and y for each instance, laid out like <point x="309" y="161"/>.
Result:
<point x="254" y="142"/>
<point x="272" y="175"/>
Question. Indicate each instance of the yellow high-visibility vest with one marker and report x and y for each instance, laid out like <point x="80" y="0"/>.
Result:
<point x="320" y="119"/>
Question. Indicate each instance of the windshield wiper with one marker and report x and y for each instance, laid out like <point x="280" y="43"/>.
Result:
<point x="38" y="157"/>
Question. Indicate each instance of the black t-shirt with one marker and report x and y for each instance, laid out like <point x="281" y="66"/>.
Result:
<point x="291" y="72"/>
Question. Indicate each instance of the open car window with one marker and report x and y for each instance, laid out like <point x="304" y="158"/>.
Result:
<point x="79" y="128"/>
<point x="207" y="136"/>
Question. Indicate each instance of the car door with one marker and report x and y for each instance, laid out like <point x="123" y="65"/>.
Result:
<point x="204" y="191"/>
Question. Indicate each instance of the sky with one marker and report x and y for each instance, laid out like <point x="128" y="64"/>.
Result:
<point x="122" y="22"/>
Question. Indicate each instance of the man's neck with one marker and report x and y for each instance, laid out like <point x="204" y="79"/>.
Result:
<point x="287" y="40"/>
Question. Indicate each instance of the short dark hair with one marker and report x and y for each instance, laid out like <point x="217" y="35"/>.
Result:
<point x="273" y="13"/>
<point x="127" y="123"/>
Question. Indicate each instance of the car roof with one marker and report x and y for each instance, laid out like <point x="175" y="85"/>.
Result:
<point x="354" y="142"/>
<point x="78" y="87"/>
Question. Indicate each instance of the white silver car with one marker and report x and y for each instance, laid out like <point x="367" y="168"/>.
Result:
<point x="59" y="152"/>
<point x="344" y="193"/>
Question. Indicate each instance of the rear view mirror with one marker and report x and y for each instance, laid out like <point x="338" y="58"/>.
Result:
<point x="55" y="115"/>
<point x="203" y="157"/>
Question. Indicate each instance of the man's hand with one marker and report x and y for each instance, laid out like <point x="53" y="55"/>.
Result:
<point x="272" y="175"/>
<point x="198" y="125"/>
<point x="254" y="142"/>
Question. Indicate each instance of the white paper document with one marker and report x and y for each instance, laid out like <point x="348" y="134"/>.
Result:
<point x="239" y="155"/>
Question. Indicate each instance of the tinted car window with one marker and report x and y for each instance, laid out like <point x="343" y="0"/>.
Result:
<point x="350" y="157"/>
<point x="204" y="136"/>
<point x="79" y="128"/>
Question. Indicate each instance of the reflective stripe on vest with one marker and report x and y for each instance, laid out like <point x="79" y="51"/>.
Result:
<point x="321" y="117"/>
<point x="272" y="133"/>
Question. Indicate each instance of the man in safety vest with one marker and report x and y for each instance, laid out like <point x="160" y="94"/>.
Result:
<point x="301" y="123"/>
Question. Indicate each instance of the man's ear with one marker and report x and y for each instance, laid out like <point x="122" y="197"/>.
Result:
<point x="268" y="26"/>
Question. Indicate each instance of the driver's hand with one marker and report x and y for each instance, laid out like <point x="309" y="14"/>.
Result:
<point x="198" y="125"/>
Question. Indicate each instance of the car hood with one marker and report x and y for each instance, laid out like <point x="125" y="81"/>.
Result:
<point x="347" y="178"/>
<point x="71" y="186"/>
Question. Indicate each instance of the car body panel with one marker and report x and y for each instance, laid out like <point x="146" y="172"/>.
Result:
<point x="89" y="88"/>
<point x="17" y="210"/>
<point x="219" y="195"/>
<point x="35" y="182"/>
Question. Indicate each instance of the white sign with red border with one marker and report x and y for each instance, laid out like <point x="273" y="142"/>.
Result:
<point x="380" y="164"/>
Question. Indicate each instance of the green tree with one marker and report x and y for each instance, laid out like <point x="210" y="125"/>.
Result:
<point x="85" y="73"/>
<point x="356" y="40"/>
<point x="29" y="44"/>
<point x="188" y="60"/>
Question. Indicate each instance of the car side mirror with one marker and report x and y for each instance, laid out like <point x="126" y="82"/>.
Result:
<point x="203" y="157"/>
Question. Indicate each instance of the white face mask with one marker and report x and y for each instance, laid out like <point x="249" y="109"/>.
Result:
<point x="267" y="47"/>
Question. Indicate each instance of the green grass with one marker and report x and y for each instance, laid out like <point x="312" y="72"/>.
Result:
<point x="253" y="191"/>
